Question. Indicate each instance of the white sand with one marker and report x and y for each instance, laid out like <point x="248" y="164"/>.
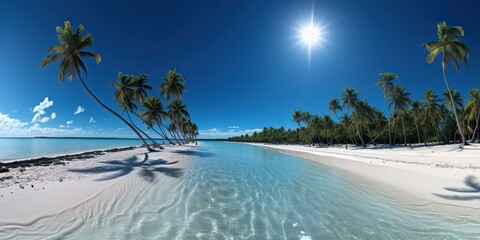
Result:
<point x="50" y="190"/>
<point x="441" y="174"/>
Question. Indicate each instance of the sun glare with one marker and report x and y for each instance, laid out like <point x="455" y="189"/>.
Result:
<point x="311" y="35"/>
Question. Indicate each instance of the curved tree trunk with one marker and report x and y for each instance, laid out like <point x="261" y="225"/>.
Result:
<point x="143" y="121"/>
<point x="116" y="114"/>
<point x="453" y="104"/>
<point x="358" y="131"/>
<point x="476" y="126"/>
<point x="142" y="132"/>
<point x="163" y="134"/>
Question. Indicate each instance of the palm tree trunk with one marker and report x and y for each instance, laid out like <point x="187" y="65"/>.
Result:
<point x="114" y="113"/>
<point x="174" y="135"/>
<point x="358" y="131"/>
<point x="453" y="103"/>
<point x="346" y="131"/>
<point x="143" y="121"/>
<point x="163" y="134"/>
<point x="476" y="126"/>
<point x="389" y="131"/>
<point x="418" y="131"/>
<point x="142" y="132"/>
<point x="404" y="132"/>
<point x="171" y="134"/>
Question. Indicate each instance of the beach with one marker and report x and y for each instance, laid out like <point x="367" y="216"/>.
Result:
<point x="441" y="174"/>
<point x="27" y="193"/>
<point x="210" y="190"/>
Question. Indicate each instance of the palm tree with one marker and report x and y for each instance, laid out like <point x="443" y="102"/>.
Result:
<point x="401" y="100"/>
<point x="297" y="117"/>
<point x="173" y="85"/>
<point x="386" y="83"/>
<point x="70" y="51"/>
<point x="334" y="106"/>
<point x="416" y="111"/>
<point x="154" y="114"/>
<point x="125" y="95"/>
<point x="432" y="108"/>
<point x="457" y="99"/>
<point x="176" y="111"/>
<point x="350" y="101"/>
<point x="140" y="87"/>
<point x="473" y="108"/>
<point x="453" y="51"/>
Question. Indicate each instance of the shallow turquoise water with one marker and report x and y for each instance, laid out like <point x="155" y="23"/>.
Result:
<point x="238" y="191"/>
<point x="21" y="148"/>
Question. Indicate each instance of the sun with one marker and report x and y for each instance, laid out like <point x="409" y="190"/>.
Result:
<point x="311" y="35"/>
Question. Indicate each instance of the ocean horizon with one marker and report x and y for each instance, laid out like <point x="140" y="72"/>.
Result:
<point x="17" y="148"/>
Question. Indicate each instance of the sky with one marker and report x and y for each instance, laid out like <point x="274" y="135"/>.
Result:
<point x="243" y="62"/>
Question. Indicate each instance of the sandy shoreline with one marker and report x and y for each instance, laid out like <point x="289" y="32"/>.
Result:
<point x="38" y="190"/>
<point x="440" y="174"/>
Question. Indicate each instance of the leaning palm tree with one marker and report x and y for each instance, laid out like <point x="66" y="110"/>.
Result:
<point x="140" y="87"/>
<point x="176" y="111"/>
<point x="173" y="85"/>
<point x="125" y="95"/>
<point x="70" y="51"/>
<point x="453" y="51"/>
<point x="154" y="114"/>
<point x="350" y="101"/>
<point x="386" y="83"/>
<point x="400" y="99"/>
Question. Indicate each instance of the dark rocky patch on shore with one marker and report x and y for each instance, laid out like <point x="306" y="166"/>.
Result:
<point x="59" y="160"/>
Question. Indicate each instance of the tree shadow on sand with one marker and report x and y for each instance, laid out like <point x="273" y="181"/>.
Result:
<point x="119" y="168"/>
<point x="194" y="153"/>
<point x="473" y="187"/>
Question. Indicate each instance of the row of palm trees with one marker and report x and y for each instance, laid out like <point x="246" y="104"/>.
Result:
<point x="427" y="120"/>
<point x="172" y="123"/>
<point x="434" y="119"/>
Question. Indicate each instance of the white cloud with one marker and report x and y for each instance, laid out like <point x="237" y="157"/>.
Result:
<point x="10" y="127"/>
<point x="216" y="133"/>
<point x="234" y="127"/>
<point x="79" y="110"/>
<point x="61" y="126"/>
<point x="92" y="120"/>
<point x="54" y="115"/>
<point x="69" y="122"/>
<point x="39" y="110"/>
<point x="44" y="119"/>
<point x="36" y="117"/>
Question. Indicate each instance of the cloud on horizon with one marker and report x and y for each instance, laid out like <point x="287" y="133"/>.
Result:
<point x="234" y="127"/>
<point x="79" y="110"/>
<point x="11" y="127"/>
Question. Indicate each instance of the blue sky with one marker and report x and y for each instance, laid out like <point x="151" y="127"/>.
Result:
<point x="244" y="66"/>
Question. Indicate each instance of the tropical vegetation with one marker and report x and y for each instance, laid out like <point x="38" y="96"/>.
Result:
<point x="172" y="123"/>
<point x="433" y="119"/>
